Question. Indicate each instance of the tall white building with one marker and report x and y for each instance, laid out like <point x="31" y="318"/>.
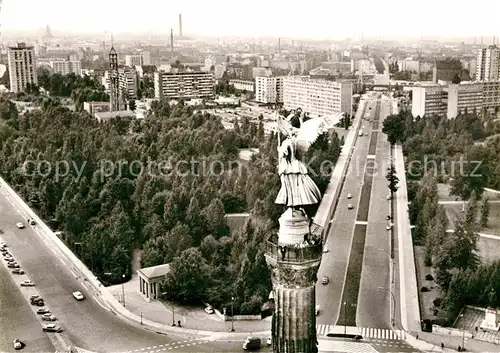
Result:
<point x="128" y="82"/>
<point x="184" y="85"/>
<point x="134" y="60"/>
<point x="65" y="67"/>
<point x="317" y="97"/>
<point x="22" y="67"/>
<point x="269" y="90"/>
<point x="488" y="64"/>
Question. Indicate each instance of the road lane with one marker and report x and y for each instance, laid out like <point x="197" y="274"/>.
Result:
<point x="339" y="240"/>
<point x="374" y="306"/>
<point x="350" y="293"/>
<point x="17" y="320"/>
<point x="88" y="324"/>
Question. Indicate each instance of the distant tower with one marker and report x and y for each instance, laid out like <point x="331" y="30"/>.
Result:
<point x="114" y="84"/>
<point x="279" y="45"/>
<point x="180" y="25"/>
<point x="172" y="42"/>
<point x="48" y="33"/>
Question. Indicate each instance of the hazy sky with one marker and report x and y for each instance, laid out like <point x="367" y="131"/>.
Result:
<point x="313" y="18"/>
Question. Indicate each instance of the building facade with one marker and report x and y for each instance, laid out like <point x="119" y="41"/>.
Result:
<point x="128" y="82"/>
<point x="454" y="99"/>
<point x="184" y="85"/>
<point x="317" y="97"/>
<point x="488" y="64"/>
<point x="65" y="67"/>
<point x="243" y="85"/>
<point x="269" y="90"/>
<point x="134" y="60"/>
<point x="22" y="67"/>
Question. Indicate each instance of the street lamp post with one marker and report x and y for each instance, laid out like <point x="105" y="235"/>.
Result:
<point x="232" y="314"/>
<point x="173" y="315"/>
<point x="463" y="334"/>
<point x="393" y="320"/>
<point x="123" y="290"/>
<point x="345" y="319"/>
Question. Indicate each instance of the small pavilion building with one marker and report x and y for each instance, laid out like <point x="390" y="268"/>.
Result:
<point x="150" y="279"/>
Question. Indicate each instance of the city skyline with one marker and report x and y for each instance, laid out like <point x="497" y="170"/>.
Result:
<point x="319" y="19"/>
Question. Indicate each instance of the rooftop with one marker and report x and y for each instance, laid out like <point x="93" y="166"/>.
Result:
<point x="155" y="271"/>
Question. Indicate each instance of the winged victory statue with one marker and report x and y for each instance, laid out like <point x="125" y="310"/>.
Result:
<point x="297" y="187"/>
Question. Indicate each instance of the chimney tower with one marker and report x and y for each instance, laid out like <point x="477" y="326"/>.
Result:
<point x="180" y="25"/>
<point x="172" y="42"/>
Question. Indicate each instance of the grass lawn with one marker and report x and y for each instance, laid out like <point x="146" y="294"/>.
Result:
<point x="444" y="194"/>
<point x="489" y="249"/>
<point x="454" y="211"/>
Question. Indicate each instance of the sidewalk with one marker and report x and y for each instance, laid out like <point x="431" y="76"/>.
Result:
<point x="191" y="318"/>
<point x="432" y="342"/>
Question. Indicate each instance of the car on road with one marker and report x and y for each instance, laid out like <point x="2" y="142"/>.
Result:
<point x="3" y="245"/>
<point x="42" y="311"/>
<point x="6" y="254"/>
<point x="48" y="317"/>
<point x="18" y="271"/>
<point x="389" y="227"/>
<point x="51" y="328"/>
<point x="325" y="249"/>
<point x="209" y="310"/>
<point x="10" y="259"/>
<point x="252" y="343"/>
<point x="325" y="280"/>
<point x="13" y="265"/>
<point x="389" y="197"/>
<point x="317" y="310"/>
<point x="27" y="283"/>
<point x="349" y="196"/>
<point x="37" y="300"/>
<point x="20" y="225"/>
<point x="31" y="221"/>
<point x="350" y="206"/>
<point x="78" y="295"/>
<point x="269" y="341"/>
<point x="18" y="344"/>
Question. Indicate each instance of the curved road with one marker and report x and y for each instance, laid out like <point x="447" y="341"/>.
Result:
<point x="87" y="323"/>
<point x="17" y="320"/>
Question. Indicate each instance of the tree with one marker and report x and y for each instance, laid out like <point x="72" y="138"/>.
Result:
<point x="485" y="211"/>
<point x="392" y="178"/>
<point x="188" y="278"/>
<point x="456" y="79"/>
<point x="394" y="128"/>
<point x="131" y="104"/>
<point x="471" y="212"/>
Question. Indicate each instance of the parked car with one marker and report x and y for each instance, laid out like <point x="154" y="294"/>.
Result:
<point x="350" y="206"/>
<point x="27" y="283"/>
<point x="349" y="196"/>
<point x="389" y="227"/>
<point x="32" y="221"/>
<point x="317" y="310"/>
<point x="20" y="225"/>
<point x="48" y="317"/>
<point x="269" y="341"/>
<point x="209" y="310"/>
<point x="78" y="295"/>
<point x="325" y="280"/>
<point x="51" y="328"/>
<point x="42" y="311"/>
<point x="18" y="271"/>
<point x="252" y="343"/>
<point x="325" y="249"/>
<point x="38" y="302"/>
<point x="18" y="344"/>
<point x="13" y="265"/>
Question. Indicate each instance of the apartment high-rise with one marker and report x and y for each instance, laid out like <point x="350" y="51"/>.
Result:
<point x="488" y="64"/>
<point x="269" y="90"/>
<point x="134" y="60"/>
<point x="184" y="85"/>
<point x="317" y="97"/>
<point x="22" y="67"/>
<point x="65" y="67"/>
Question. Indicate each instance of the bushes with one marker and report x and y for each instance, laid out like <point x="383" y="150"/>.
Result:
<point x="437" y="302"/>
<point x="429" y="277"/>
<point x="424" y="289"/>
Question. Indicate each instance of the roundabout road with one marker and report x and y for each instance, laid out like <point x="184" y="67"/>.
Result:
<point x="87" y="323"/>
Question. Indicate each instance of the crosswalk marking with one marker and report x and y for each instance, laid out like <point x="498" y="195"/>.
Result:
<point x="366" y="332"/>
<point x="342" y="346"/>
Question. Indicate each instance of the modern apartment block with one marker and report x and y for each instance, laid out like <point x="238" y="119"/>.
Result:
<point x="317" y="97"/>
<point x="134" y="60"/>
<point x="454" y="99"/>
<point x="243" y="85"/>
<point x="65" y="67"/>
<point x="184" y="85"/>
<point x="22" y="67"/>
<point x="488" y="64"/>
<point x="269" y="90"/>
<point x="128" y="81"/>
